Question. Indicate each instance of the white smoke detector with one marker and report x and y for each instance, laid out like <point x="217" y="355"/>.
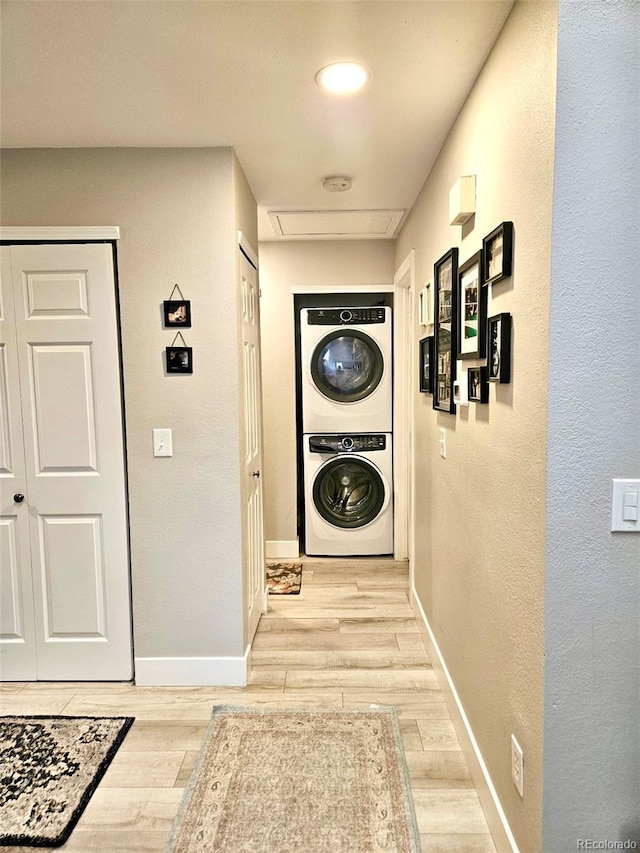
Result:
<point x="336" y="183"/>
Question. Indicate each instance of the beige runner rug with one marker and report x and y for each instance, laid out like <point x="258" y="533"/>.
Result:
<point x="298" y="782"/>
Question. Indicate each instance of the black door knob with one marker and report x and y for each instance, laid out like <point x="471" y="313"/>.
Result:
<point x="256" y="474"/>
<point x="18" y="498"/>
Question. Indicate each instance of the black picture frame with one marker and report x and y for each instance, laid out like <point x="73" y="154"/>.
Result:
<point x="499" y="346"/>
<point x="445" y="289"/>
<point x="177" y="313"/>
<point x="478" y="384"/>
<point x="426" y="365"/>
<point x="472" y="313"/>
<point x="179" y="359"/>
<point x="497" y="249"/>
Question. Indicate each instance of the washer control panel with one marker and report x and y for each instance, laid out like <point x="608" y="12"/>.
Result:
<point x="345" y="316"/>
<point x="362" y="442"/>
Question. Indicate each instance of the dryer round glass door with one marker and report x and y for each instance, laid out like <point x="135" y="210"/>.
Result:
<point x="348" y="492"/>
<point x="347" y="366"/>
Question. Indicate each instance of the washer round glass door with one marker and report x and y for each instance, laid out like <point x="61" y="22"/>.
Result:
<point x="347" y="365"/>
<point x="348" y="492"/>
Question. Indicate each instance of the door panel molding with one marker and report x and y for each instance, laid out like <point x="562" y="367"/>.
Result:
<point x="73" y="583"/>
<point x="62" y="392"/>
<point x="11" y="608"/>
<point x="58" y="295"/>
<point x="6" y="463"/>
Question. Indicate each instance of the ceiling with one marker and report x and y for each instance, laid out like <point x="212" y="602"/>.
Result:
<point x="191" y="73"/>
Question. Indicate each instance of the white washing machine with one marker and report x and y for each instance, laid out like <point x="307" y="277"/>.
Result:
<point x="346" y="369"/>
<point x="348" y="488"/>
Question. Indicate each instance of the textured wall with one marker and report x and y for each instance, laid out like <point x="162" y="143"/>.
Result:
<point x="592" y="716"/>
<point x="283" y="266"/>
<point x="175" y="211"/>
<point x="480" y="513"/>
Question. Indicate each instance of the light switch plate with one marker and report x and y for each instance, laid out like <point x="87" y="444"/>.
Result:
<point x="517" y="765"/>
<point x="624" y="492"/>
<point x="442" y="441"/>
<point x="162" y="442"/>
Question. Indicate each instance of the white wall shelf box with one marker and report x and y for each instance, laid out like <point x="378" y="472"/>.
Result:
<point x="462" y="200"/>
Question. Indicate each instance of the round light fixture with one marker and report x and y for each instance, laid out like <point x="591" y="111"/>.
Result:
<point x="342" y="78"/>
<point x="336" y="183"/>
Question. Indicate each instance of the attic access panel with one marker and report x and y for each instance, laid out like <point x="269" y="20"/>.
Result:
<point x="335" y="224"/>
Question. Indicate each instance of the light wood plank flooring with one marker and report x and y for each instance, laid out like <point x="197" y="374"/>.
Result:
<point x="349" y="640"/>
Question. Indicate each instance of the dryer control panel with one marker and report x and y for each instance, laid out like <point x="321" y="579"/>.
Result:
<point x="345" y="316"/>
<point x="349" y="443"/>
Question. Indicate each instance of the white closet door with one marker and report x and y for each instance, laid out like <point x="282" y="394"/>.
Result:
<point x="17" y="632"/>
<point x="66" y="330"/>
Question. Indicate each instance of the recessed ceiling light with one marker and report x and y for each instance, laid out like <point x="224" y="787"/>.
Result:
<point x="342" y="78"/>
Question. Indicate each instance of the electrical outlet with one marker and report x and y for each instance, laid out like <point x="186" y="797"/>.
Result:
<point x="517" y="765"/>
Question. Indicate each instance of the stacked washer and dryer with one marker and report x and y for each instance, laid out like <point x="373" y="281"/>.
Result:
<point x="347" y="430"/>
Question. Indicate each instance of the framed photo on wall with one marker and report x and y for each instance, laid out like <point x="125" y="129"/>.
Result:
<point x="426" y="365"/>
<point x="177" y="312"/>
<point x="478" y="384"/>
<point x="445" y="277"/>
<point x="499" y="358"/>
<point x="497" y="249"/>
<point x="472" y="314"/>
<point x="179" y="359"/>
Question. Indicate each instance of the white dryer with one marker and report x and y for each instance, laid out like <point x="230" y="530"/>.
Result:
<point x="348" y="487"/>
<point x="346" y="369"/>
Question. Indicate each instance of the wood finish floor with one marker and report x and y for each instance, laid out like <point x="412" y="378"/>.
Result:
<point x="349" y="640"/>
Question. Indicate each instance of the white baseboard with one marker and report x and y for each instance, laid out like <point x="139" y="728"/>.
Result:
<point x="494" y="813"/>
<point x="282" y="549"/>
<point x="181" y="672"/>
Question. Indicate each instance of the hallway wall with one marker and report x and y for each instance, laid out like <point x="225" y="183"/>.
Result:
<point x="592" y="620"/>
<point x="175" y="209"/>
<point x="283" y="265"/>
<point x="479" y="558"/>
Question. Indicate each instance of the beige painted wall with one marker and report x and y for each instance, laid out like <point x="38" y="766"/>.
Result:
<point x="175" y="209"/>
<point x="245" y="205"/>
<point x="480" y="562"/>
<point x="339" y="265"/>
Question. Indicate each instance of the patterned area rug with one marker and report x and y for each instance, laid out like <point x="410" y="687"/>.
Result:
<point x="285" y="781"/>
<point x="284" y="578"/>
<point x="49" y="768"/>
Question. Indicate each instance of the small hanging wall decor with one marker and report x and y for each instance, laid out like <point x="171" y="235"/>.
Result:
<point x="499" y="358"/>
<point x="425" y="366"/>
<point x="177" y="312"/>
<point x="478" y="384"/>
<point x="179" y="359"/>
<point x="497" y="254"/>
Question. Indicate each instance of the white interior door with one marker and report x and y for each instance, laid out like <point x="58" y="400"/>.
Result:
<point x="63" y="338"/>
<point x="255" y="592"/>
<point x="17" y="629"/>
